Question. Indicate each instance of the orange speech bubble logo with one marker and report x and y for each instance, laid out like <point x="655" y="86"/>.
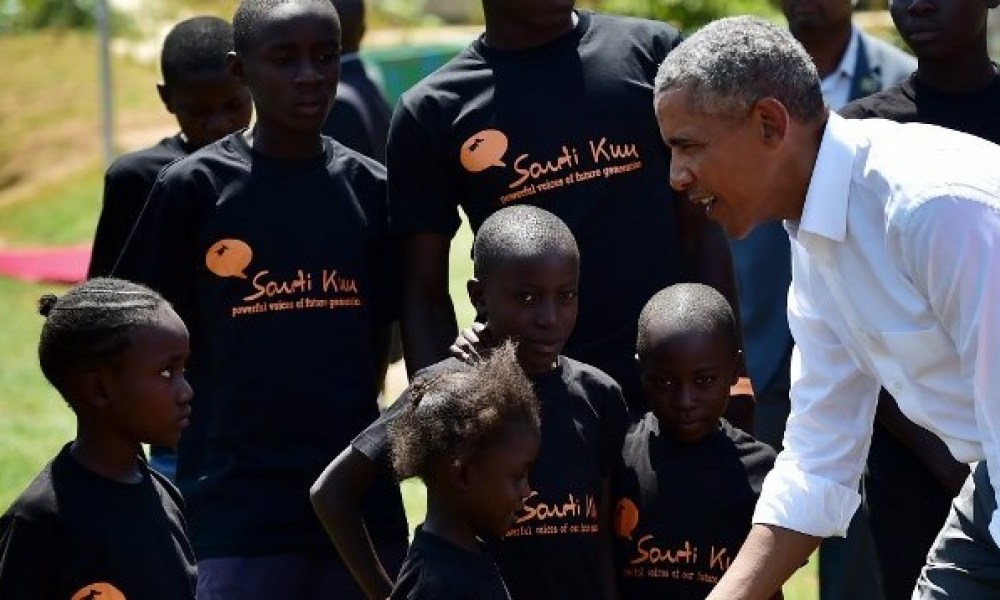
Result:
<point x="626" y="518"/>
<point x="228" y="258"/>
<point x="99" y="591"/>
<point x="484" y="150"/>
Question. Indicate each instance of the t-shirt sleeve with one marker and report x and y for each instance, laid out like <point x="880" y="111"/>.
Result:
<point x="422" y="196"/>
<point x="615" y="425"/>
<point x="161" y="252"/>
<point x="124" y="195"/>
<point x="27" y="558"/>
<point x="375" y="441"/>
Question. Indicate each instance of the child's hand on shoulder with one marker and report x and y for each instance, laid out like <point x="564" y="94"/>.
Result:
<point x="472" y="342"/>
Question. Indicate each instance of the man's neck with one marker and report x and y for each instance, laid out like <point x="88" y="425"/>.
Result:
<point x="826" y="48"/>
<point x="957" y="74"/>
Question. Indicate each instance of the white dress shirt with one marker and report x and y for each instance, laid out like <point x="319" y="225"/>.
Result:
<point x="895" y="282"/>
<point x="836" y="87"/>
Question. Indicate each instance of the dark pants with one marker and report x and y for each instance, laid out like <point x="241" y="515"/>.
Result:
<point x="964" y="562"/>
<point x="907" y="507"/>
<point x="287" y="576"/>
<point x="847" y="566"/>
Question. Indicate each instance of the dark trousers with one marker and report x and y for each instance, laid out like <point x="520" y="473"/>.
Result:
<point x="964" y="562"/>
<point x="906" y="507"/>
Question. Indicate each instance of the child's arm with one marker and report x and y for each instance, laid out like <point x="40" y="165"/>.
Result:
<point x="609" y="578"/>
<point x="336" y="498"/>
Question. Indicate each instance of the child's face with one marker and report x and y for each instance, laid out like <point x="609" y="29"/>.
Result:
<point x="534" y="301"/>
<point x="496" y="482"/>
<point x="147" y="399"/>
<point x="208" y="106"/>
<point x="686" y="379"/>
<point x="292" y="68"/>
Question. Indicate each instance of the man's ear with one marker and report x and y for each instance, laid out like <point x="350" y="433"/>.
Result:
<point x="772" y="119"/>
<point x="476" y="295"/>
<point x="164" y="91"/>
<point x="236" y="67"/>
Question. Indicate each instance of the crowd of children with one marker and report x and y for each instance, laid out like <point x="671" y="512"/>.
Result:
<point x="280" y="259"/>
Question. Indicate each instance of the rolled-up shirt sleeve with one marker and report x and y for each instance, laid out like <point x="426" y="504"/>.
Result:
<point x="951" y="250"/>
<point x="813" y="488"/>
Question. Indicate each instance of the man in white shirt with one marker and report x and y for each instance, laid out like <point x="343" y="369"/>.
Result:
<point x="851" y="63"/>
<point x="895" y="235"/>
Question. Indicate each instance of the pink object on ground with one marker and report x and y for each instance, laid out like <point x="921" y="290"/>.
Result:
<point x="49" y="265"/>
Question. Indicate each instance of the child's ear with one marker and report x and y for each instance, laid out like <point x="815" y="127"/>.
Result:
<point x="94" y="389"/>
<point x="164" y="91"/>
<point x="476" y="295"/>
<point x="236" y="67"/>
<point x="460" y="474"/>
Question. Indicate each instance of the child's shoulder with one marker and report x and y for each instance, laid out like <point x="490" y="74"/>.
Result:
<point x="340" y="158"/>
<point x="38" y="502"/>
<point x="589" y="376"/>
<point x="148" y="162"/>
<point x="746" y="442"/>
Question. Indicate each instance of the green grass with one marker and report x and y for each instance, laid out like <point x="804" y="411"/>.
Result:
<point x="58" y="213"/>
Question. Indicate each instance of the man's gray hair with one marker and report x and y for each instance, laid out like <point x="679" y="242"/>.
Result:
<point x="732" y="63"/>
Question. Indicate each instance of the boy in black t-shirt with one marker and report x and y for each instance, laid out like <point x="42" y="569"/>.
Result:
<point x="97" y="522"/>
<point x="911" y="477"/>
<point x="688" y="482"/>
<point x="526" y="271"/>
<point x="207" y="101"/>
<point x="272" y="243"/>
<point x="549" y="107"/>
<point x="471" y="436"/>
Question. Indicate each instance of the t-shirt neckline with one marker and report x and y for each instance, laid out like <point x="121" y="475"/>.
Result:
<point x="571" y="38"/>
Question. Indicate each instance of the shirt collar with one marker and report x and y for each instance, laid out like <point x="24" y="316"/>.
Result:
<point x="850" y="60"/>
<point x="349" y="57"/>
<point x="824" y="212"/>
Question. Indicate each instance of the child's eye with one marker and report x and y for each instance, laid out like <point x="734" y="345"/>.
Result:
<point x="706" y="380"/>
<point x="526" y="298"/>
<point x="167" y="373"/>
<point x="568" y="296"/>
<point x="327" y="57"/>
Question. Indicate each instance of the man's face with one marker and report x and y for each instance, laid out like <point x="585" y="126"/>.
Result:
<point x="715" y="162"/>
<point x="942" y="29"/>
<point x="815" y="16"/>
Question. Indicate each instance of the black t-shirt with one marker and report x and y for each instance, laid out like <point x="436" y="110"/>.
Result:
<point x="682" y="511"/>
<point x="126" y="186"/>
<point x="569" y="127"/>
<point x="976" y="113"/>
<point x="283" y="272"/>
<point x="553" y="550"/>
<point x="72" y="530"/>
<point x="436" y="569"/>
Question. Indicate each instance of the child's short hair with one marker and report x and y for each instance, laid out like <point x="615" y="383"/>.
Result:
<point x="455" y="415"/>
<point x="686" y="308"/>
<point x="196" y="45"/>
<point x="251" y="13"/>
<point x="91" y="324"/>
<point x="519" y="231"/>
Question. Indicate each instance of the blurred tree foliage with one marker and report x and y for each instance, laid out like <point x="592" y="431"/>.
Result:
<point x="686" y="14"/>
<point x="30" y="15"/>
